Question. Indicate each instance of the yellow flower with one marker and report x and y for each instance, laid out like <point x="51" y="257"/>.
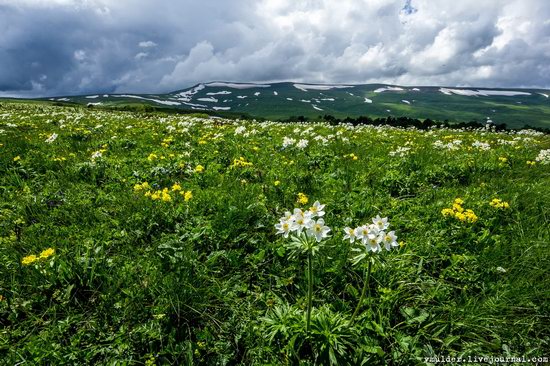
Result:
<point x="47" y="253"/>
<point x="166" y="197"/>
<point x="447" y="212"/>
<point x="302" y="199"/>
<point x="459" y="201"/>
<point x="458" y="208"/>
<point x="503" y="159"/>
<point x="176" y="187"/>
<point x="30" y="259"/>
<point x="152" y="157"/>
<point x="17" y="158"/>
<point x="187" y="196"/>
<point x="199" y="169"/>
<point x="530" y="163"/>
<point x="276" y="183"/>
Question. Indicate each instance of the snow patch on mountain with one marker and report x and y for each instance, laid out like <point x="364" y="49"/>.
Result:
<point x="210" y="99"/>
<point x="306" y="87"/>
<point x="223" y="92"/>
<point x="388" y="88"/>
<point x="237" y="85"/>
<point x="483" y="93"/>
<point x="164" y="102"/>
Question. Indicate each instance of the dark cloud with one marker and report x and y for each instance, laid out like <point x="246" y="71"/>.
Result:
<point x="59" y="47"/>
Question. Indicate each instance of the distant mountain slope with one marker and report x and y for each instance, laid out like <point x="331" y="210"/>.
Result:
<point x="515" y="107"/>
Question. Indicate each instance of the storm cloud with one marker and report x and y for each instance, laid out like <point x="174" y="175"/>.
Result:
<point x="62" y="47"/>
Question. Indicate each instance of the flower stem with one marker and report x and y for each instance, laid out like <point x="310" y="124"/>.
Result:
<point x="363" y="292"/>
<point x="309" y="289"/>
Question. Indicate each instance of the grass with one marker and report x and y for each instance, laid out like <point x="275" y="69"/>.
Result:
<point x="206" y="280"/>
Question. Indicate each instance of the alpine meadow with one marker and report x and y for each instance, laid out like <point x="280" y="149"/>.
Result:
<point x="148" y="238"/>
<point x="274" y="183"/>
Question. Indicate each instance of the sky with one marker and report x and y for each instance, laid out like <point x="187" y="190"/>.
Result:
<point x="70" y="47"/>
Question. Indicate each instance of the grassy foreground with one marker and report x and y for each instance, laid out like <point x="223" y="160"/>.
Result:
<point x="150" y="239"/>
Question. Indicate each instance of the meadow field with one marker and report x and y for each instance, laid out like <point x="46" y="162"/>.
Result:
<point x="160" y="239"/>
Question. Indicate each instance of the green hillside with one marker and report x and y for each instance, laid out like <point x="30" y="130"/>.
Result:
<point x="515" y="107"/>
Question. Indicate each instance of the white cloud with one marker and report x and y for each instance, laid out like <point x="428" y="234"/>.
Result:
<point x="419" y="42"/>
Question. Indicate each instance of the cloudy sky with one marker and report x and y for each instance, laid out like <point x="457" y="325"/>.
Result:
<point x="61" y="47"/>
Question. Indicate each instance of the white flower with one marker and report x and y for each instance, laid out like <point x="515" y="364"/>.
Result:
<point x="96" y="154"/>
<point x="301" y="221"/>
<point x="543" y="157"/>
<point x="389" y="240"/>
<point x="350" y="234"/>
<point x="302" y="144"/>
<point x="317" y="209"/>
<point x="52" y="138"/>
<point x="380" y="223"/>
<point x="284" y="227"/>
<point x="361" y="233"/>
<point x="373" y="241"/>
<point x="288" y="141"/>
<point x="318" y="230"/>
<point x="240" y="130"/>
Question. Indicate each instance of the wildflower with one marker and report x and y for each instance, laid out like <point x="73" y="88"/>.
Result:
<point x="277" y="183"/>
<point x="362" y="233"/>
<point x="302" y="144"/>
<point x="301" y="221"/>
<point x="318" y="230"/>
<point x="498" y="203"/>
<point x="52" y="138"/>
<point x="17" y="158"/>
<point x="30" y="259"/>
<point x="284" y="227"/>
<point x="166" y="197"/>
<point x="531" y="163"/>
<point x="317" y="209"/>
<point x="459" y="213"/>
<point x="350" y="234"/>
<point x="288" y="141"/>
<point x="302" y="199"/>
<point x="502" y="159"/>
<point x="543" y="157"/>
<point x="176" y="187"/>
<point x="380" y="223"/>
<point x="374" y="239"/>
<point x="240" y="162"/>
<point x="97" y="154"/>
<point x="187" y="196"/>
<point x="390" y="240"/>
<point x="152" y="157"/>
<point x="47" y="253"/>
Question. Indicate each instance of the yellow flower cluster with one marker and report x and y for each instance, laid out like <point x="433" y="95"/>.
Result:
<point x="352" y="156"/>
<point x="199" y="169"/>
<point x="17" y="158"/>
<point x="240" y="162"/>
<point x="163" y="194"/>
<point x="166" y="142"/>
<point x="498" y="203"/>
<point x="302" y="199"/>
<point x="30" y="259"/>
<point x="531" y="163"/>
<point x="458" y="212"/>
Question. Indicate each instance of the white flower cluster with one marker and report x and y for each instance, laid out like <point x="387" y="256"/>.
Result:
<point x="371" y="237"/>
<point x="304" y="221"/>
<point x="401" y="151"/>
<point x="240" y="130"/>
<point x="289" y="141"/>
<point x="543" y="157"/>
<point x="481" y="145"/>
<point x="453" y="145"/>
